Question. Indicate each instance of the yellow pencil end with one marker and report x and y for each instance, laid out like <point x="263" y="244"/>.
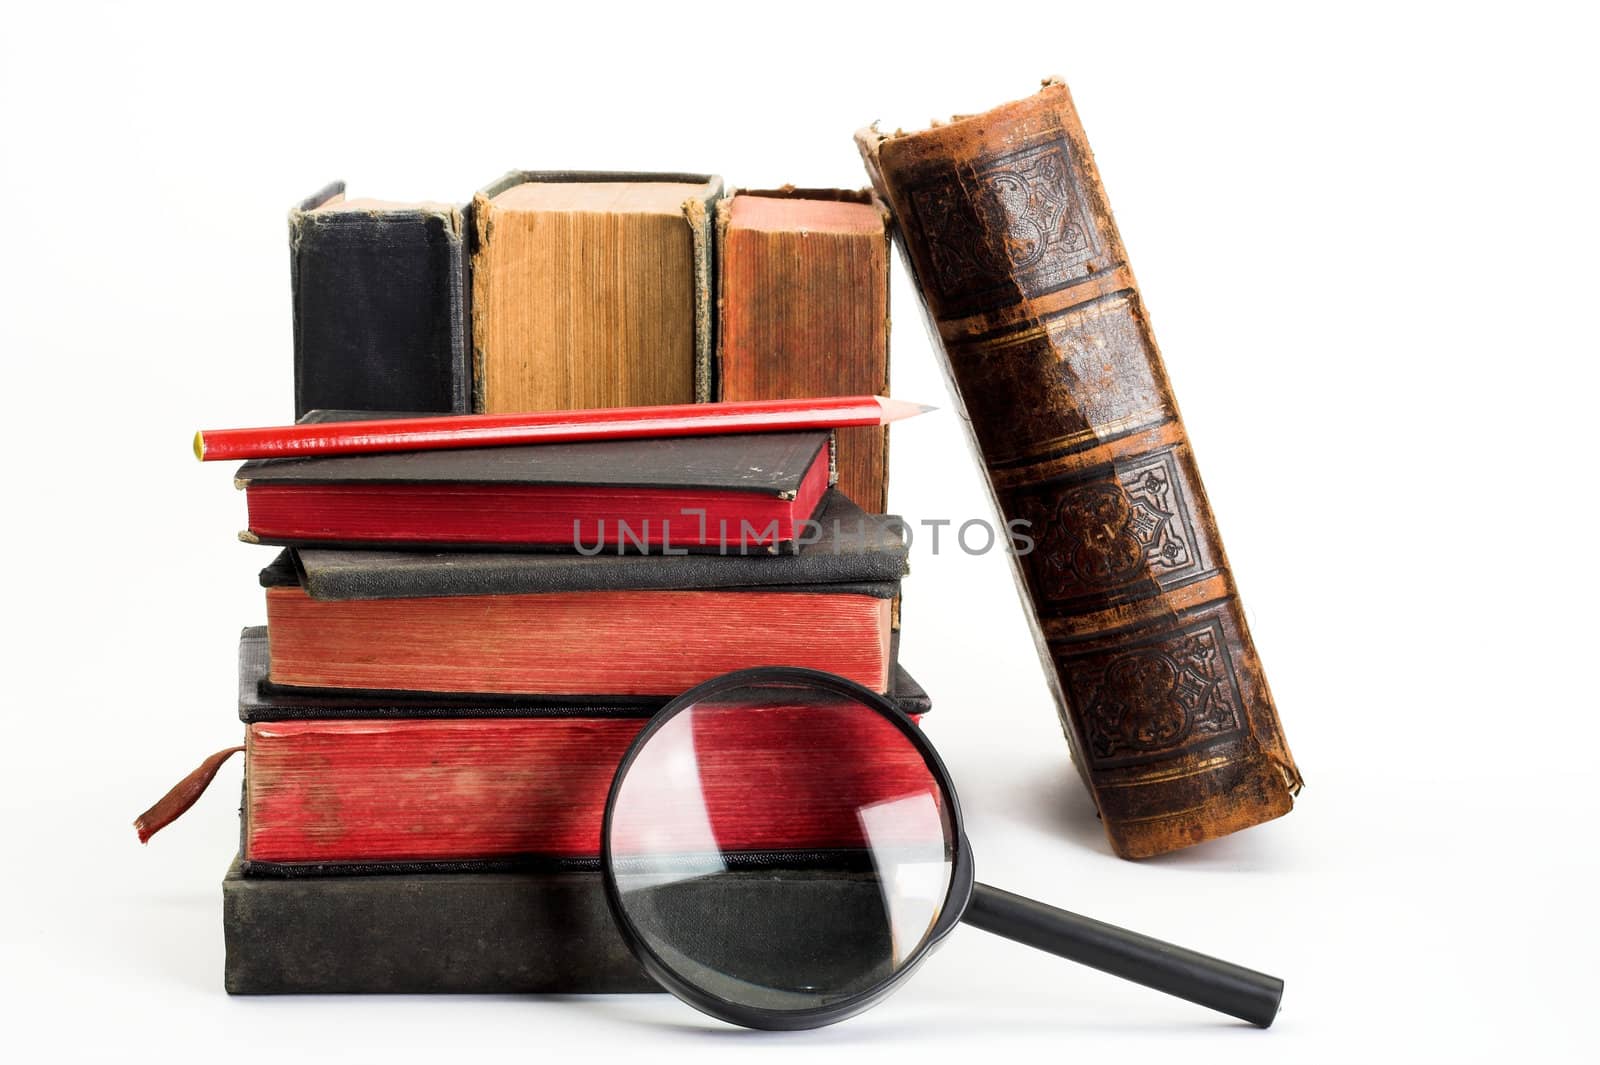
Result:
<point x="200" y="445"/>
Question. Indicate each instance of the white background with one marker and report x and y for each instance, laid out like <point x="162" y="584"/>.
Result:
<point x="1367" y="238"/>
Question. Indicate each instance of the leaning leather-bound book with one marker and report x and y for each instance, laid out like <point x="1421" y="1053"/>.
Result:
<point x="1005" y="224"/>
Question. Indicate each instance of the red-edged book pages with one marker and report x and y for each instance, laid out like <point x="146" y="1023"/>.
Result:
<point x="474" y="789"/>
<point x="729" y="494"/>
<point x="558" y="623"/>
<point x="614" y="642"/>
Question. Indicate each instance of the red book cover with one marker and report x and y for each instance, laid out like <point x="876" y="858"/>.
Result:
<point x="471" y="789"/>
<point x="749" y="493"/>
<point x="357" y="779"/>
<point x="622" y="642"/>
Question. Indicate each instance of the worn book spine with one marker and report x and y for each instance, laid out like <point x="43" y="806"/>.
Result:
<point x="1007" y="229"/>
<point x="804" y="311"/>
<point x="491" y="270"/>
<point x="424" y="933"/>
<point x="380" y="307"/>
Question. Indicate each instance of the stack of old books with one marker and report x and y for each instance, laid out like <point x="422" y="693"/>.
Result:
<point x="460" y="645"/>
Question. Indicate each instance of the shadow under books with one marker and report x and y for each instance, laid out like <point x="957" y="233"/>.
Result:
<point x="1032" y="1012"/>
<point x="1055" y="802"/>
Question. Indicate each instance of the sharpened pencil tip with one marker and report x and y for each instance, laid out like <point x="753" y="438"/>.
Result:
<point x="895" y="409"/>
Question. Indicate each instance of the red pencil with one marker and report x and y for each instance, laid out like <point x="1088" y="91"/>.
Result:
<point x="546" y="427"/>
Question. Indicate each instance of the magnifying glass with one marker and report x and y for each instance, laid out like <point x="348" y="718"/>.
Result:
<point x="782" y="847"/>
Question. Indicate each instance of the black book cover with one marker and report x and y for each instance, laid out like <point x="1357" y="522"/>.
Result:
<point x="848" y="550"/>
<point x="424" y="933"/>
<point x="535" y="932"/>
<point x="380" y="306"/>
<point x="768" y="464"/>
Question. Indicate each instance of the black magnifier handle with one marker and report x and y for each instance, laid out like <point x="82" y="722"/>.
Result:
<point x="1200" y="978"/>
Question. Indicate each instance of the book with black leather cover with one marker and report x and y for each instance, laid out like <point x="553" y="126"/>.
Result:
<point x="758" y="463"/>
<point x="843" y="546"/>
<point x="423" y="933"/>
<point x="379" y="292"/>
<point x="526" y="932"/>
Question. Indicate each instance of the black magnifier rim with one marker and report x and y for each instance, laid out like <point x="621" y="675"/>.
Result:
<point x="955" y="903"/>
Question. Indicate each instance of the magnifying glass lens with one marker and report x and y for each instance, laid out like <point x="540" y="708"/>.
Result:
<point x="780" y="846"/>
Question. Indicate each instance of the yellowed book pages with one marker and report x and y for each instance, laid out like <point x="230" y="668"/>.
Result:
<point x="590" y="293"/>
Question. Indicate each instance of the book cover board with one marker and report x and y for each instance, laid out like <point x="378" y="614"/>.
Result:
<point x="530" y="932"/>
<point x="844" y="547"/>
<point x="424" y="933"/>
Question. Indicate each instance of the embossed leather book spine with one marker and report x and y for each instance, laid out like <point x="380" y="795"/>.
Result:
<point x="1006" y="226"/>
